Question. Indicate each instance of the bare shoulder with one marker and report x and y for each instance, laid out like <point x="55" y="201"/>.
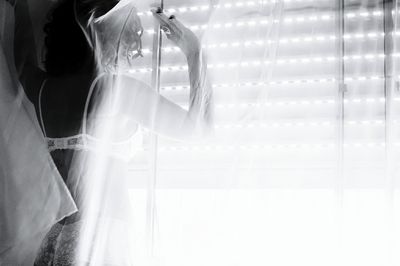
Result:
<point x="128" y="81"/>
<point x="138" y="91"/>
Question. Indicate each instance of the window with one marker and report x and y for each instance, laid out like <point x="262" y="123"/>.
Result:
<point x="306" y="135"/>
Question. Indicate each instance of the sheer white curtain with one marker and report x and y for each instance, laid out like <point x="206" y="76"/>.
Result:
<point x="302" y="166"/>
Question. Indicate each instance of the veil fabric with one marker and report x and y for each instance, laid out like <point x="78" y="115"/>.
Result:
<point x="33" y="195"/>
<point x="98" y="176"/>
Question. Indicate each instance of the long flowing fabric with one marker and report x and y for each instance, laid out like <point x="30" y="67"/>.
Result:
<point x="302" y="169"/>
<point x="33" y="196"/>
<point x="98" y="179"/>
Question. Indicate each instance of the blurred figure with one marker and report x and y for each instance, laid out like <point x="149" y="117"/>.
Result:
<point x="91" y="113"/>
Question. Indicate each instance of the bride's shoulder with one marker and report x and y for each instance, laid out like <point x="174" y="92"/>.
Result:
<point x="130" y="81"/>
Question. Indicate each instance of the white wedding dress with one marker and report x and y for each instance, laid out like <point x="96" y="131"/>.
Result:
<point x="33" y="196"/>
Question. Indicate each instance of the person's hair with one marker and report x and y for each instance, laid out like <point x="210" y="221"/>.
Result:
<point x="67" y="49"/>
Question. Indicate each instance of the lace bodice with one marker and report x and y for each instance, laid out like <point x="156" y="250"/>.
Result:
<point x="122" y="149"/>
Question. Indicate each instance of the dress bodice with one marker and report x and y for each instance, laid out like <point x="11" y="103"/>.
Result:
<point x="123" y="149"/>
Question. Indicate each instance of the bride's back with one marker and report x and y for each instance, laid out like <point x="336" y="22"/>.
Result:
<point x="61" y="103"/>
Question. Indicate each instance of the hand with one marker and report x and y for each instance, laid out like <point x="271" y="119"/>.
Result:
<point x="175" y="31"/>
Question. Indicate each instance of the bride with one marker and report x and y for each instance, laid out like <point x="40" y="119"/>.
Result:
<point x="91" y="113"/>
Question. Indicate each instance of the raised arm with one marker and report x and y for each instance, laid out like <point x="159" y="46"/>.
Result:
<point x="165" y="117"/>
<point x="160" y="114"/>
